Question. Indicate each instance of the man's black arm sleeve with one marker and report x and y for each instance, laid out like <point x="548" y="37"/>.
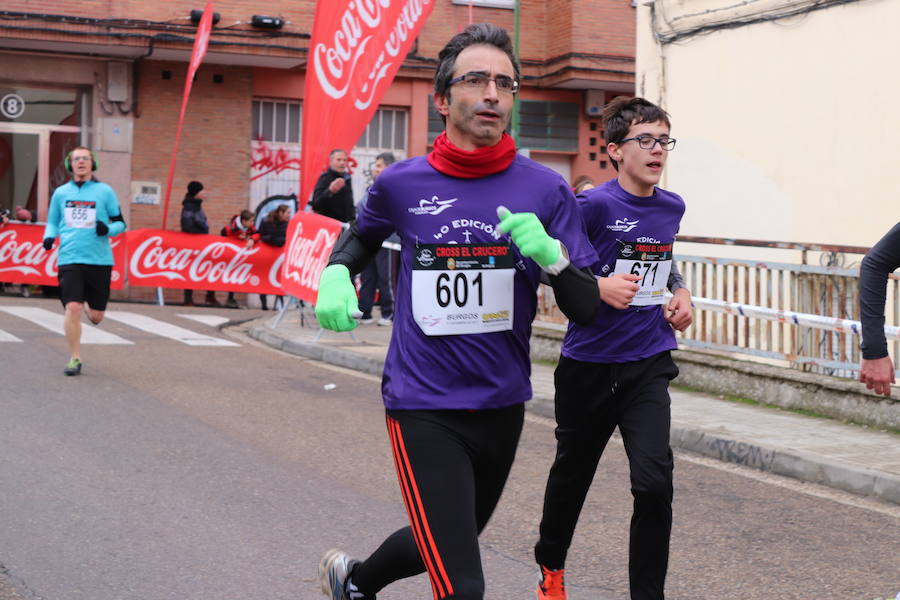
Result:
<point x="881" y="260"/>
<point x="577" y="294"/>
<point x="353" y="251"/>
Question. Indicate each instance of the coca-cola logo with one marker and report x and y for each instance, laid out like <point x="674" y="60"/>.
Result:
<point x="335" y="64"/>
<point x="217" y="262"/>
<point x="307" y="257"/>
<point x="27" y="258"/>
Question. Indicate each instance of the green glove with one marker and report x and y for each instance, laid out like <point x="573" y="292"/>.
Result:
<point x="336" y="305"/>
<point x="529" y="235"/>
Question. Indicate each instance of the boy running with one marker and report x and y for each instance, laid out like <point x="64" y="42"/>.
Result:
<point x="615" y="371"/>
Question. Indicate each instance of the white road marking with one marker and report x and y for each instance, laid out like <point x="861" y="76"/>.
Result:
<point x="8" y="337"/>
<point x="211" y="320"/>
<point x="53" y="321"/>
<point x="167" y="330"/>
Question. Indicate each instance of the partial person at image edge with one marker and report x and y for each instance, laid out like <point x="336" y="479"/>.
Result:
<point x="876" y="368"/>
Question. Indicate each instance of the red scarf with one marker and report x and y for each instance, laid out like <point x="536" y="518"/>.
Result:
<point x="471" y="164"/>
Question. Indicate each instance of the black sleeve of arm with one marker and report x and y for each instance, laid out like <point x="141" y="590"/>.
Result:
<point x="320" y="190"/>
<point x="881" y="260"/>
<point x="676" y="281"/>
<point x="352" y="251"/>
<point x="118" y="217"/>
<point x="577" y="294"/>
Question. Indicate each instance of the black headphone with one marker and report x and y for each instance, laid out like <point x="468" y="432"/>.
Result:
<point x="68" y="162"/>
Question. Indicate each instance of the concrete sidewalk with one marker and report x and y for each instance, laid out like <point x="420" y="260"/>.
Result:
<point x="850" y="458"/>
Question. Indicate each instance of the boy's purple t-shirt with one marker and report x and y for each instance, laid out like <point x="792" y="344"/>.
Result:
<point x="434" y="215"/>
<point x="616" y="220"/>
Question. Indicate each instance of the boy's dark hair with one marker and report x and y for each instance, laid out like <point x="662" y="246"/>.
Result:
<point x="387" y="157"/>
<point x="477" y="33"/>
<point x="246" y="214"/>
<point x="623" y="112"/>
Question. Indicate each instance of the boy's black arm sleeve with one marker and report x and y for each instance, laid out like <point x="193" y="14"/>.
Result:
<point x="353" y="251"/>
<point x="676" y="281"/>
<point x="880" y="261"/>
<point x="577" y="293"/>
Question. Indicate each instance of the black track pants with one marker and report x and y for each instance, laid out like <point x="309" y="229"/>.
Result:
<point x="452" y="466"/>
<point x="591" y="401"/>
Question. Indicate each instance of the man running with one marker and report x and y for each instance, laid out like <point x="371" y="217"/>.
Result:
<point x="84" y="214"/>
<point x="615" y="371"/>
<point x="877" y="368"/>
<point x="457" y="369"/>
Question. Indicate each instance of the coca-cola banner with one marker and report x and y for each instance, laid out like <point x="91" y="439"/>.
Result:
<point x="24" y="260"/>
<point x="310" y="238"/>
<point x="168" y="259"/>
<point x="356" y="49"/>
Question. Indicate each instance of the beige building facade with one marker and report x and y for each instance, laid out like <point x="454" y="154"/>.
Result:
<point x="785" y="111"/>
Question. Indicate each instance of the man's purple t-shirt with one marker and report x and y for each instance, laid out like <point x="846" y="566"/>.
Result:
<point x="621" y="225"/>
<point x="447" y="226"/>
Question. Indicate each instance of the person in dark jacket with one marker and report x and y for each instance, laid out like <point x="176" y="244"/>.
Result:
<point x="333" y="194"/>
<point x="193" y="220"/>
<point x="876" y="369"/>
<point x="272" y="231"/>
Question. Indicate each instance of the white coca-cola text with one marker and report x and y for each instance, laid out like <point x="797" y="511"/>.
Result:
<point x="28" y="258"/>
<point x="152" y="259"/>
<point x="308" y="256"/>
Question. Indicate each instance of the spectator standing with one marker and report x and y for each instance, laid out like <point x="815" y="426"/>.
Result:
<point x="272" y="231"/>
<point x="84" y="213"/>
<point x="240" y="228"/>
<point x="877" y="369"/>
<point x="377" y="274"/>
<point x="333" y="194"/>
<point x="193" y="220"/>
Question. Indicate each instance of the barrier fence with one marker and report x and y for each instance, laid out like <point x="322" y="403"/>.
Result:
<point x="786" y="313"/>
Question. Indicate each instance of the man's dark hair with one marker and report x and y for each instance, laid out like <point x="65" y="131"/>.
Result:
<point x="623" y="112"/>
<point x="335" y="151"/>
<point x="478" y="33"/>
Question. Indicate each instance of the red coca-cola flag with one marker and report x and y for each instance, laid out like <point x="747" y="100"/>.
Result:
<point x="356" y="49"/>
<point x="310" y="238"/>
<point x="24" y="260"/>
<point x="201" y="42"/>
<point x="169" y="259"/>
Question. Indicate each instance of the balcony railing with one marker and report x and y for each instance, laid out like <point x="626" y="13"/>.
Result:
<point x="788" y="313"/>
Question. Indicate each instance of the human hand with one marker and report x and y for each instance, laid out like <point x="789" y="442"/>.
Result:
<point x="101" y="228"/>
<point x="249" y="243"/>
<point x="877" y="374"/>
<point x="337" y="185"/>
<point x="618" y="290"/>
<point x="528" y="233"/>
<point x="48" y="243"/>
<point x="679" y="312"/>
<point x="337" y="307"/>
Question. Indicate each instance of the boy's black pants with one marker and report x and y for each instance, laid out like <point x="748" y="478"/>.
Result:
<point x="592" y="399"/>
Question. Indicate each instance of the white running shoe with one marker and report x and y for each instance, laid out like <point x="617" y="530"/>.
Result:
<point x="385" y="322"/>
<point x="334" y="569"/>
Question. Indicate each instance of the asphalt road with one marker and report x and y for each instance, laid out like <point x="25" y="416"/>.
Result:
<point x="171" y="471"/>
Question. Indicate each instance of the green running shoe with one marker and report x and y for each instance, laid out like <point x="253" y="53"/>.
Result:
<point x="73" y="367"/>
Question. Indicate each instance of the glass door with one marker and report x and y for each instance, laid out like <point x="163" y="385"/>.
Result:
<point x="19" y="158"/>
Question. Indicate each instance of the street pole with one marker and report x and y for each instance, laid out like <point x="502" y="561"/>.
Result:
<point x="515" y="116"/>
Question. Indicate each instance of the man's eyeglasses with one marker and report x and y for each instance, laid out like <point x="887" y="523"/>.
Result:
<point x="478" y="81"/>
<point x="77" y="158"/>
<point x="647" y="142"/>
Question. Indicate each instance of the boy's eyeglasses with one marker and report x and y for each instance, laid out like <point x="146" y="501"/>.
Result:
<point x="477" y="81"/>
<point x="647" y="142"/>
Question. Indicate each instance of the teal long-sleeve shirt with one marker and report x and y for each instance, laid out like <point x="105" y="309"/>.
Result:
<point x="74" y="212"/>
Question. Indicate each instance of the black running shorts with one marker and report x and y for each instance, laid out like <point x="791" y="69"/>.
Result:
<point x="85" y="283"/>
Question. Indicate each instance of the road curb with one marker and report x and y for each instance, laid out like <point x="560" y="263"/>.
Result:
<point x="804" y="467"/>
